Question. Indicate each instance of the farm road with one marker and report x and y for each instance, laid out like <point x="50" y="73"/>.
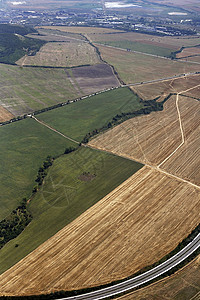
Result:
<point x="180" y="123"/>
<point x="44" y="124"/>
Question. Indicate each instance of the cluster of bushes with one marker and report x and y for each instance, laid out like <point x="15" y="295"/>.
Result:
<point x="42" y="171"/>
<point x="69" y="150"/>
<point x="15" y="223"/>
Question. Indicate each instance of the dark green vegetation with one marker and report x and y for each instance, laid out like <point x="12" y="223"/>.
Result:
<point x="76" y="121"/>
<point x="14" y="45"/>
<point x="64" y="196"/>
<point x="14" y="224"/>
<point x="140" y="47"/>
<point x="24" y="146"/>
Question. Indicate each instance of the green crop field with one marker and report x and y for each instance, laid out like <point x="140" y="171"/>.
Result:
<point x="74" y="183"/>
<point x="24" y="146"/>
<point x="141" y="47"/>
<point x="23" y="90"/>
<point x="76" y="120"/>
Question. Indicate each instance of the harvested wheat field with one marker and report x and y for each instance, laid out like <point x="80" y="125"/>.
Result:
<point x="5" y="115"/>
<point x="148" y="138"/>
<point x="194" y="93"/>
<point x="163" y="88"/>
<point x="185" y="163"/>
<point x="152" y="138"/>
<point x="135" y="67"/>
<point x="111" y="240"/>
<point x="67" y="54"/>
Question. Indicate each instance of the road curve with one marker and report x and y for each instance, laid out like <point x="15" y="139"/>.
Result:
<point x="137" y="281"/>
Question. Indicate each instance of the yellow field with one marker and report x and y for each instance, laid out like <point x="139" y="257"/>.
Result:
<point x="134" y="67"/>
<point x="185" y="284"/>
<point x="68" y="54"/>
<point x="133" y="226"/>
<point x="186" y="161"/>
<point x="5" y="115"/>
<point x="153" y="90"/>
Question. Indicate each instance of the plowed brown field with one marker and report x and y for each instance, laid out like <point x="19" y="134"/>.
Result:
<point x="152" y="138"/>
<point x="112" y="239"/>
<point x="5" y="115"/>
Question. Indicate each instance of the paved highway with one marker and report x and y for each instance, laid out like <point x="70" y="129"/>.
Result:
<point x="137" y="281"/>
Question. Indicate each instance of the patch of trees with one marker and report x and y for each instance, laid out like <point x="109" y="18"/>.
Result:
<point x="17" y="29"/>
<point x="69" y="150"/>
<point x="14" y="46"/>
<point x="15" y="223"/>
<point x="42" y="172"/>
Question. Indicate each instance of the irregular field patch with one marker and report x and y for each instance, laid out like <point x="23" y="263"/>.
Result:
<point x="105" y="242"/>
<point x="5" y="115"/>
<point x="62" y="54"/>
<point x="152" y="138"/>
<point x="183" y="285"/>
<point x="134" y="67"/>
<point x="64" y="196"/>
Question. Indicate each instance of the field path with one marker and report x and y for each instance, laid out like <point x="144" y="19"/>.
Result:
<point x="44" y="124"/>
<point x="180" y="123"/>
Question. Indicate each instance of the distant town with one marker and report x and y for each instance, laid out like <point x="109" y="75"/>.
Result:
<point x="150" y="24"/>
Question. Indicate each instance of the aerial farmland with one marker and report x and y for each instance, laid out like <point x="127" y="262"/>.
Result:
<point x="100" y="150"/>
